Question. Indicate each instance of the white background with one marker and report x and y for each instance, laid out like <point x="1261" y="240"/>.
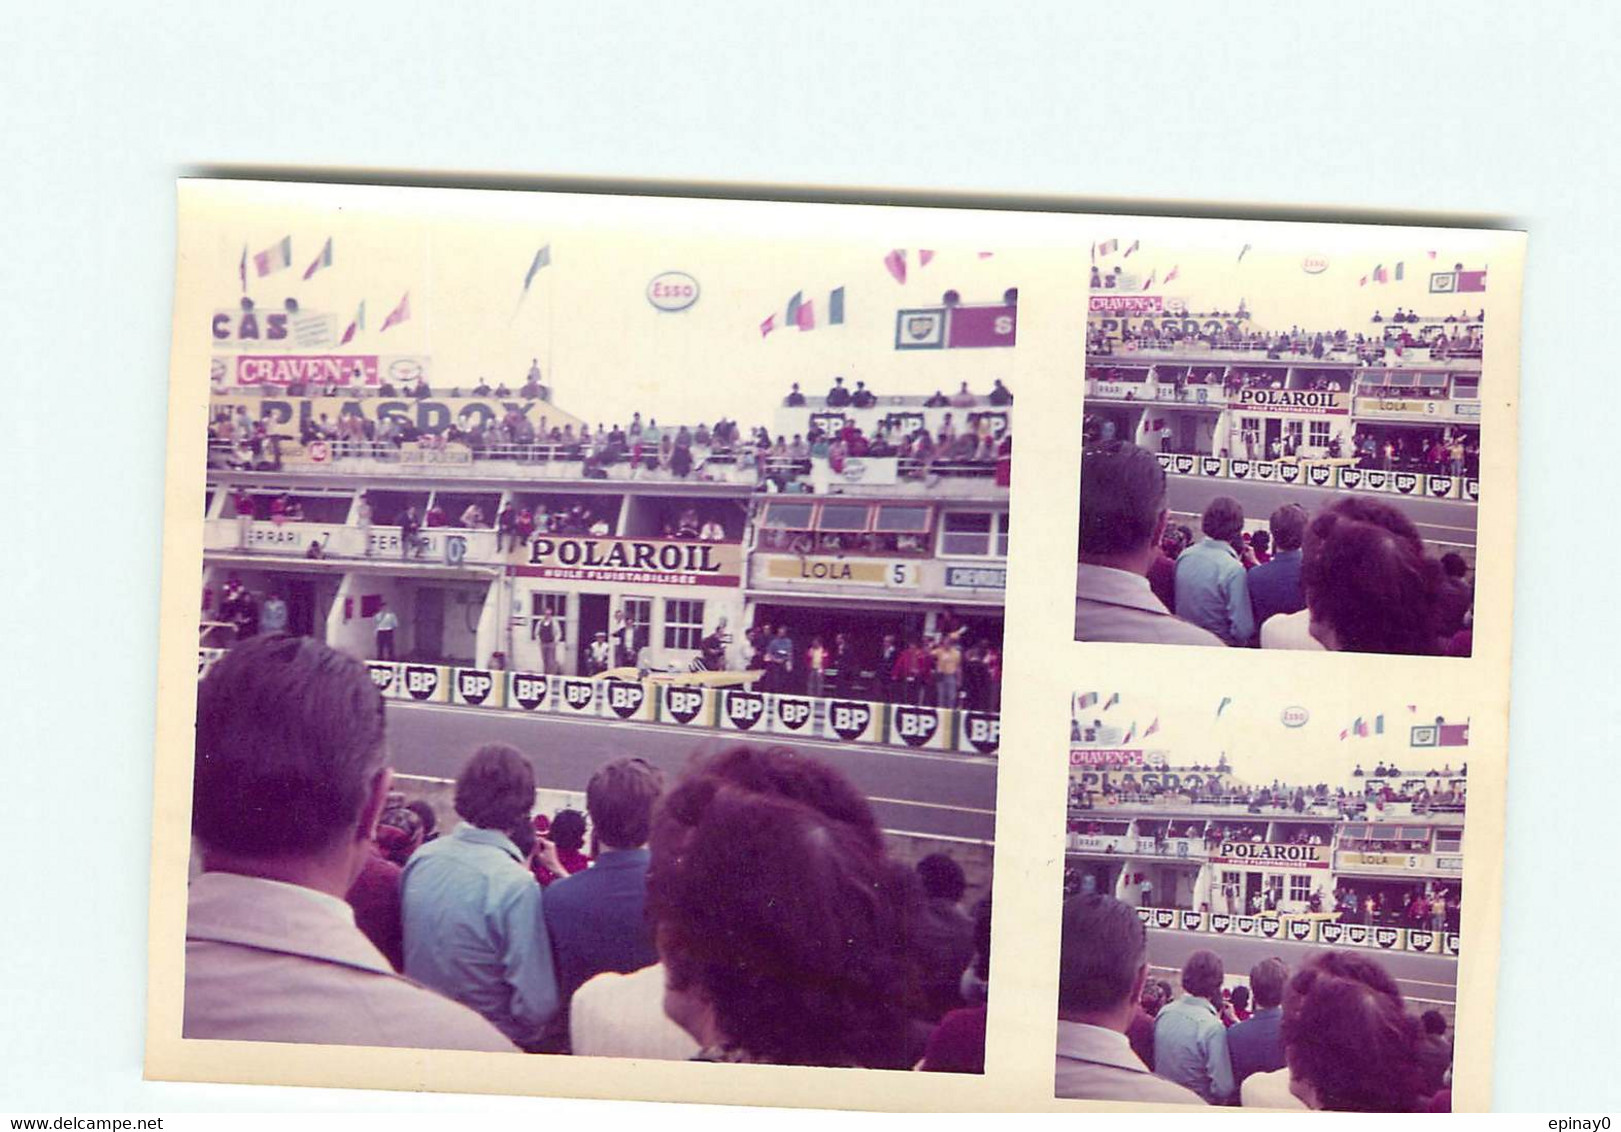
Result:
<point x="1491" y="111"/>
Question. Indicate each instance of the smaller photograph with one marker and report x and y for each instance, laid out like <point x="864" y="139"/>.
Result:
<point x="1281" y="446"/>
<point x="1261" y="902"/>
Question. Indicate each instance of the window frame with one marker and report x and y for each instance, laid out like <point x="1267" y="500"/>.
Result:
<point x="674" y="629"/>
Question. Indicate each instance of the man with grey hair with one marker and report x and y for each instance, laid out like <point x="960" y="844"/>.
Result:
<point x="1102" y="965"/>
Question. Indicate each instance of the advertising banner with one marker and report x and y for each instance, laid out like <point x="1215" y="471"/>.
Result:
<point x="686" y="706"/>
<point x="626" y="699"/>
<point x="311" y="369"/>
<point x="249" y="328"/>
<point x="982" y="327"/>
<point x="976" y="578"/>
<point x="477" y="687"/>
<point x="979" y="732"/>
<point x="920" y="329"/>
<point x="530" y="691"/>
<point x="575" y="695"/>
<point x="744" y="711"/>
<point x="1271" y="853"/>
<point x="835" y="572"/>
<point x="852" y="721"/>
<point x="385" y="677"/>
<point x="793" y="715"/>
<point x="922" y="728"/>
<point x="287" y="415"/>
<point x="665" y="562"/>
<point x="876" y="471"/>
<point x="1132" y="782"/>
<point x="1307" y="401"/>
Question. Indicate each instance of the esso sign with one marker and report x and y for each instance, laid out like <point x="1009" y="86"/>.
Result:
<point x="1295" y="716"/>
<point x="672" y="291"/>
<point x="1314" y="264"/>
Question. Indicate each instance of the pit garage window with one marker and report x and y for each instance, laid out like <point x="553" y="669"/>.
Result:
<point x="788" y="516"/>
<point x="683" y="623"/>
<point x="1318" y="434"/>
<point x="1299" y="887"/>
<point x="1466" y="386"/>
<point x="1449" y="841"/>
<point x="848" y="518"/>
<point x="975" y="534"/>
<point x="897" y="519"/>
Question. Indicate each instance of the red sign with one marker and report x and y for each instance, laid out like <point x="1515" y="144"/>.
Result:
<point x="1111" y="756"/>
<point x="311" y="369"/>
<point x="972" y="327"/>
<point x="1126" y="304"/>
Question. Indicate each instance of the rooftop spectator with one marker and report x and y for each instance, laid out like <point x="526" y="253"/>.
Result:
<point x="1102" y="967"/>
<point x="290" y="777"/>
<point x="999" y="395"/>
<point x="800" y="958"/>
<point x="1122" y="523"/>
<point x="838" y="396"/>
<point x="862" y="398"/>
<point x="474" y="925"/>
<point x="1211" y="589"/>
<point x="795" y="398"/>
<point x="963" y="398"/>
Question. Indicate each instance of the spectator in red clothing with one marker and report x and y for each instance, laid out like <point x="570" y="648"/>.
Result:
<point x="375" y="898"/>
<point x="1241" y="1004"/>
<point x="566" y="832"/>
<point x="1162" y="571"/>
<point x="1140" y="1030"/>
<point x="957" y="1044"/>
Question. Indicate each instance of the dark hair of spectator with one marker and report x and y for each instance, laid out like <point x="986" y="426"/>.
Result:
<point x="1241" y="997"/>
<point x="1223" y="518"/>
<point x="289" y="736"/>
<point x="1267" y="980"/>
<point x="1288" y="525"/>
<point x="1435" y="1023"/>
<point x="774" y="903"/>
<point x="1122" y="497"/>
<point x="982" y="939"/>
<point x="568" y="830"/>
<point x="1454" y="565"/>
<point x="425" y="811"/>
<point x="1347" y="1034"/>
<point x="942" y="878"/>
<point x="1366" y="575"/>
<point x="1202" y="974"/>
<point x="1102" y="948"/>
<point x="496" y="789"/>
<point x="620" y="798"/>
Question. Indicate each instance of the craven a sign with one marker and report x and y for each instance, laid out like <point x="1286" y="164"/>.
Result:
<point x="643" y="561"/>
<point x="1271" y="853"/>
<point x="1309" y="401"/>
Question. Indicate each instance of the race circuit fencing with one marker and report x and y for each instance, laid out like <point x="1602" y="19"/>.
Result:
<point x="1332" y="476"/>
<point x="1303" y="929"/>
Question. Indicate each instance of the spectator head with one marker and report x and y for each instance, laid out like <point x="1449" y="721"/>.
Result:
<point x="802" y="957"/>
<point x="1102" y="961"/>
<point x="1241" y="997"/>
<point x="425" y="813"/>
<point x="1260" y="540"/>
<point x="1368" y="582"/>
<point x="942" y="878"/>
<point x="1223" y="519"/>
<point x="1288" y="525"/>
<point x="289" y="758"/>
<point x="982" y="940"/>
<point x="1267" y="979"/>
<point x="496" y="789"/>
<point x="1435" y="1023"/>
<point x="1454" y="565"/>
<point x="1122" y="505"/>
<point x="1202" y="974"/>
<point x="399" y="833"/>
<point x="1349" y="1040"/>
<point x="620" y="798"/>
<point x="568" y="830"/>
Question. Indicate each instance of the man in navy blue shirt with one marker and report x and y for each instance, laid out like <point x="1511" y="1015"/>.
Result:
<point x="1275" y="585"/>
<point x="1255" y="1045"/>
<point x="596" y="918"/>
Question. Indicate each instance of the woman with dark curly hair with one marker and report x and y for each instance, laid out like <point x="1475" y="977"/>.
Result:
<point x="1349" y="1041"/>
<point x="1368" y="583"/>
<point x="785" y="930"/>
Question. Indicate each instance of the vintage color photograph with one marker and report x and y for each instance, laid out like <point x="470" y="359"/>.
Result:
<point x="1282" y="442"/>
<point x="600" y="628"/>
<point x="1262" y="901"/>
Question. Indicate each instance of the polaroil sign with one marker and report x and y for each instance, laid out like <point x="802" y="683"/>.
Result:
<point x="1271" y="853"/>
<point x="657" y="561"/>
<point x="1294" y="401"/>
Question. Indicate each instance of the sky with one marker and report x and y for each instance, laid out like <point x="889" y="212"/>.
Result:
<point x="1258" y="745"/>
<point x="604" y="349"/>
<point x="1272" y="281"/>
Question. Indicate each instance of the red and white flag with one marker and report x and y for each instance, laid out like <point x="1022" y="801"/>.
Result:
<point x="320" y="261"/>
<point x="1150" y="281"/>
<point x="357" y="323"/>
<point x="924" y="256"/>
<point x="896" y="262"/>
<point x="1171" y="274"/>
<point x="805" y="316"/>
<point x="274" y="258"/>
<point x="768" y="325"/>
<point x="399" y="314"/>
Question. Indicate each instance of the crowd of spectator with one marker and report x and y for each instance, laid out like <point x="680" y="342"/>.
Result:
<point x="1355" y="577"/>
<point x="954" y="667"/>
<point x="1336" y="1033"/>
<point x="1452" y="337"/>
<point x="750" y="911"/>
<point x="1424" y="906"/>
<point x="1449" y="451"/>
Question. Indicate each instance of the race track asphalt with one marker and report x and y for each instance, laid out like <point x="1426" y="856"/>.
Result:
<point x="938" y="794"/>
<point x="1444" y="523"/>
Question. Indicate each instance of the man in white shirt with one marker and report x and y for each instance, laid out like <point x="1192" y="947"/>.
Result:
<point x="616" y="1015"/>
<point x="290" y="778"/>
<point x="1102" y="965"/>
<point x="1123" y="518"/>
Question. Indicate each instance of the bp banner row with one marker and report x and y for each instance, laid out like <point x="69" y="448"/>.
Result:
<point x="1341" y="476"/>
<point x="1303" y="929"/>
<point x="681" y="705"/>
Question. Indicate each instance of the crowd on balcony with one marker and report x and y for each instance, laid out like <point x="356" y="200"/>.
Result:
<point x="1430" y="905"/>
<point x="1354" y="577"/>
<point x="1451" y="338"/>
<point x="1448" y="451"/>
<point x="841" y="396"/>
<point x="750" y="911"/>
<point x="1332" y="1033"/>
